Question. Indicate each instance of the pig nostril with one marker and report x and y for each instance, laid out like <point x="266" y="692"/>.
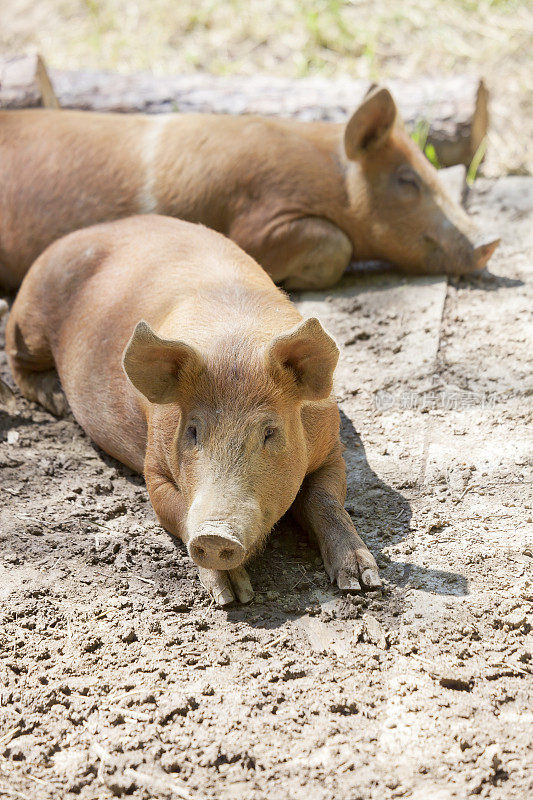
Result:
<point x="226" y="553"/>
<point x="200" y="552"/>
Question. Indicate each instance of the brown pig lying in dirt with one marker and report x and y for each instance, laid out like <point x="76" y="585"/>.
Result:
<point x="179" y="357"/>
<point x="302" y="198"/>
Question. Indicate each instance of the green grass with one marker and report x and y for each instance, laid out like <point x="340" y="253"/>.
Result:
<point x="479" y="155"/>
<point x="420" y="136"/>
<point x="283" y="37"/>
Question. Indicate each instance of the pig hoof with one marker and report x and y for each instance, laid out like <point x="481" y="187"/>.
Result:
<point x="353" y="571"/>
<point x="348" y="582"/>
<point x="241" y="584"/>
<point x="371" y="579"/>
<point x="57" y="404"/>
<point x="7" y="398"/>
<point x="51" y="396"/>
<point x="218" y="585"/>
<point x="225" y="586"/>
<point x="224" y="597"/>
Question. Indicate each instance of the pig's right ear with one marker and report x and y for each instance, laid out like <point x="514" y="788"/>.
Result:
<point x="160" y="368"/>
<point x="371" y="124"/>
<point x="310" y="355"/>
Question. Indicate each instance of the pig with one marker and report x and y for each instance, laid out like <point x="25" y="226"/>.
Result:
<point x="179" y="357"/>
<point x="303" y="199"/>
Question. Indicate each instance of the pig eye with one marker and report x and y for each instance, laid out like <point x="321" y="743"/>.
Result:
<point x="191" y="434"/>
<point x="407" y="178"/>
<point x="269" y="433"/>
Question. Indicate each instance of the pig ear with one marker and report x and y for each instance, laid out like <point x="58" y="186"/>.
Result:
<point x="371" y="124"/>
<point x="159" y="368"/>
<point x="310" y="354"/>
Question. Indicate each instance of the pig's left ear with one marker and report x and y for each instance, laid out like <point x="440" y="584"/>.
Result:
<point x="310" y="355"/>
<point x="161" y="369"/>
<point x="371" y="124"/>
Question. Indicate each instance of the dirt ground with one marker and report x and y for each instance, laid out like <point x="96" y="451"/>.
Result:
<point x="118" y="675"/>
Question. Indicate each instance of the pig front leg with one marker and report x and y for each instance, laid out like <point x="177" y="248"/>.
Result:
<point x="167" y="501"/>
<point x="319" y="509"/>
<point x="225" y="586"/>
<point x="322" y="258"/>
<point x="309" y="253"/>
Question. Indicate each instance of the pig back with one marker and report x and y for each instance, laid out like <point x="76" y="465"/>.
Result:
<point x="61" y="171"/>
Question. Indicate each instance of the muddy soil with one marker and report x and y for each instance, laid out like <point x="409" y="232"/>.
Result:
<point x="120" y="678"/>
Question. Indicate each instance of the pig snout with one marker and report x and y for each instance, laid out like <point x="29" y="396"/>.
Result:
<point x="475" y="256"/>
<point x="462" y="255"/>
<point x="224" y="524"/>
<point x="216" y="547"/>
<point x="457" y="246"/>
<point x="483" y="251"/>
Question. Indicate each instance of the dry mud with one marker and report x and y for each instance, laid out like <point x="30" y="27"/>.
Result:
<point x="119" y="677"/>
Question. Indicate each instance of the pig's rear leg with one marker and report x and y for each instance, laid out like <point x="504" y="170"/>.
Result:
<point x="224" y="586"/>
<point x="32" y="364"/>
<point x="43" y="388"/>
<point x="319" y="509"/>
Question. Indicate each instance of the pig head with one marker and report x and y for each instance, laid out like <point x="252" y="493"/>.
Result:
<point x="397" y="207"/>
<point x="228" y="426"/>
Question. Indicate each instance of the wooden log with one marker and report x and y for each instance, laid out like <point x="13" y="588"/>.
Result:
<point x="24" y="83"/>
